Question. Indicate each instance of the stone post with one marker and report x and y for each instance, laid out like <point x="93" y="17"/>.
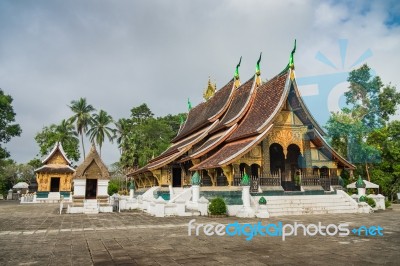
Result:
<point x="195" y="181"/>
<point x="196" y="193"/>
<point x="159" y="209"/>
<point x="246" y="196"/>
<point x="171" y="191"/>
<point x="246" y="210"/>
<point x="203" y="206"/>
<point x="360" y="185"/>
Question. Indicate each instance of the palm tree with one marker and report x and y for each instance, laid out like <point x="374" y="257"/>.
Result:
<point x="100" y="128"/>
<point x="82" y="117"/>
<point x="65" y="132"/>
<point x="121" y="132"/>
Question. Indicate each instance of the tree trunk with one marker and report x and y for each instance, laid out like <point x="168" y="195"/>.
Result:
<point x="366" y="169"/>
<point x="83" y="147"/>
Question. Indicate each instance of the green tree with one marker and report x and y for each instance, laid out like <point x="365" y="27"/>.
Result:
<point x="11" y="173"/>
<point x="142" y="137"/>
<point x="5" y="181"/>
<point x="370" y="104"/>
<point x="386" y="173"/>
<point x="8" y="128"/>
<point x="122" y="129"/>
<point x="63" y="133"/>
<point x="141" y="113"/>
<point x="82" y="116"/>
<point x="100" y="128"/>
<point x="35" y="163"/>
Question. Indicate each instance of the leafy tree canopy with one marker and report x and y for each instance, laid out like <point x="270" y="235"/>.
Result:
<point x="141" y="137"/>
<point x="8" y="128"/>
<point x="64" y="133"/>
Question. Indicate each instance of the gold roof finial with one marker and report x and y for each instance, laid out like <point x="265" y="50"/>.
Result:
<point x="209" y="91"/>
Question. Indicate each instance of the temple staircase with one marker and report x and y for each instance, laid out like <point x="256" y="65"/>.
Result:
<point x="311" y="204"/>
<point x="91" y="206"/>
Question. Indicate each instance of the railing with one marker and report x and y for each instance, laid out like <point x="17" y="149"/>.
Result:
<point x="313" y="180"/>
<point x="325" y="183"/>
<point x="334" y="181"/>
<point x="222" y="180"/>
<point x="236" y="180"/>
<point x="272" y="179"/>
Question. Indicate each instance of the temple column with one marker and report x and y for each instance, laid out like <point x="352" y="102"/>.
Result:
<point x="157" y="175"/>
<point x="212" y="173"/>
<point x="307" y="155"/>
<point x="266" y="160"/>
<point x="228" y="173"/>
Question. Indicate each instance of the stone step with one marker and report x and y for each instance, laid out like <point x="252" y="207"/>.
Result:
<point x="317" y="204"/>
<point x="283" y="213"/>
<point x="301" y="208"/>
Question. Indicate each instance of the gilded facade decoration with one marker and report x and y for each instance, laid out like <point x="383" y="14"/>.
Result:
<point x="285" y="136"/>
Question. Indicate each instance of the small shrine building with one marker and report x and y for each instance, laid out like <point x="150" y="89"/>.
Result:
<point x="91" y="178"/>
<point x="54" y="178"/>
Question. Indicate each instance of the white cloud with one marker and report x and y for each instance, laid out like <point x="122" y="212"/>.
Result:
<point x="121" y="54"/>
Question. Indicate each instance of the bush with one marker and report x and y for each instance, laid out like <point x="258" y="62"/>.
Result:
<point x="217" y="207"/>
<point x="112" y="187"/>
<point x="371" y="202"/>
<point x="387" y="204"/>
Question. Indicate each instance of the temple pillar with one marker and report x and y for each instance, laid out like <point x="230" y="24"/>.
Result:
<point x="212" y="173"/>
<point x="307" y="155"/>
<point x="266" y="160"/>
<point x="157" y="175"/>
<point x="228" y="173"/>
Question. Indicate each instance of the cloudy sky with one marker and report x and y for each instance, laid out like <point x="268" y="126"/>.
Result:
<point x="120" y="54"/>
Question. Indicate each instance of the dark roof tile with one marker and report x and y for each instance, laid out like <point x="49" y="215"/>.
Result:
<point x="265" y="102"/>
<point x="206" y="112"/>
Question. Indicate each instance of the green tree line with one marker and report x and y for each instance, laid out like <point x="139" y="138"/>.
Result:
<point x="363" y="132"/>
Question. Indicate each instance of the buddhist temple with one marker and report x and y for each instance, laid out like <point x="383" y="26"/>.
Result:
<point x="262" y="129"/>
<point x="54" y="178"/>
<point x="91" y="179"/>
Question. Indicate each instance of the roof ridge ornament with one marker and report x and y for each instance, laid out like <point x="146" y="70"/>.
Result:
<point x="236" y="75"/>
<point x="209" y="90"/>
<point x="189" y="105"/>
<point x="258" y="72"/>
<point x="291" y="59"/>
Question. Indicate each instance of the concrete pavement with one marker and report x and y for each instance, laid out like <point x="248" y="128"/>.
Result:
<point x="38" y="235"/>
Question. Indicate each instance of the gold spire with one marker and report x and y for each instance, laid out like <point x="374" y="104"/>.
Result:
<point x="210" y="90"/>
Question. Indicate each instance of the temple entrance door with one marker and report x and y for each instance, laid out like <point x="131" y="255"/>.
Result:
<point x="293" y="155"/>
<point x="55" y="184"/>
<point x="277" y="160"/>
<point x="176" y="177"/>
<point x="91" y="188"/>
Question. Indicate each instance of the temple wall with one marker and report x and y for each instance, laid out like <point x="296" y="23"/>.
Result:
<point x="44" y="180"/>
<point x="102" y="187"/>
<point x="79" y="187"/>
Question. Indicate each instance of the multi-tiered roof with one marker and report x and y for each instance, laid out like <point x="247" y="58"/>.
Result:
<point x="237" y="118"/>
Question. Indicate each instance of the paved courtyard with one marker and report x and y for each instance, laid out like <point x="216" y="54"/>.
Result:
<point x="38" y="235"/>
